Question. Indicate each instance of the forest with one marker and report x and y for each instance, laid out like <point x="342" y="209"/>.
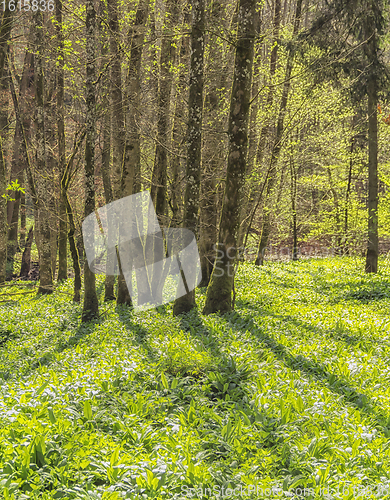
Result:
<point x="194" y="249"/>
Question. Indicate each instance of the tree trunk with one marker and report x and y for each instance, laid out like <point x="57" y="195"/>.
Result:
<point x="219" y="292"/>
<point x="252" y="188"/>
<point x="109" y="279"/>
<point x="372" y="244"/>
<point x="272" y="173"/>
<point x="215" y="143"/>
<point x="22" y="239"/>
<point x="348" y="191"/>
<point x="293" y="173"/>
<point x="42" y="184"/>
<point x="131" y="171"/>
<point x="26" y="257"/>
<point x="167" y="58"/>
<point x="63" y="222"/>
<point x="5" y="32"/>
<point x="194" y="138"/>
<point x="91" y="305"/>
<point x="118" y="128"/>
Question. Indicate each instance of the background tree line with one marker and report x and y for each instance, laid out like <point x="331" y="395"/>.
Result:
<point x="250" y="123"/>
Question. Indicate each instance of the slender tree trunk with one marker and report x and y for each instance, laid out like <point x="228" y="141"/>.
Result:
<point x="219" y="292"/>
<point x="91" y="305"/>
<point x="3" y="216"/>
<point x="293" y="174"/>
<point x="194" y="138"/>
<point x="42" y="184"/>
<point x="272" y="173"/>
<point x="131" y="171"/>
<point x="22" y="239"/>
<point x="372" y="244"/>
<point x="18" y="164"/>
<point x="109" y="279"/>
<point x="215" y="143"/>
<point x="348" y="193"/>
<point x="26" y="257"/>
<point x="118" y="128"/>
<point x="167" y="58"/>
<point x="252" y="188"/>
<point x="179" y="129"/>
<point x="65" y="181"/>
<point x="337" y="209"/>
<point x="5" y="32"/>
<point x="63" y="222"/>
<point x="265" y="130"/>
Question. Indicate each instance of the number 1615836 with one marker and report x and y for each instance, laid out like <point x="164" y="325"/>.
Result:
<point x="26" y="5"/>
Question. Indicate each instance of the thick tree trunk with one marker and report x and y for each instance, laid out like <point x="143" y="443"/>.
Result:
<point x="42" y="184"/>
<point x="219" y="292"/>
<point x="194" y="138"/>
<point x="63" y="222"/>
<point x="91" y="305"/>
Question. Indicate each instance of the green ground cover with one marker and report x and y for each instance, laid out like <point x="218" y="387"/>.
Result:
<point x="287" y="397"/>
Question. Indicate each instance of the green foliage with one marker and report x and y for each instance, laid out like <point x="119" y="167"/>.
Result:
<point x="13" y="186"/>
<point x="289" y="391"/>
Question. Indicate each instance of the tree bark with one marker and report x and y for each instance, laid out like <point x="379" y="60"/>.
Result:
<point x="63" y="222"/>
<point x="42" y="184"/>
<point x="215" y="143"/>
<point x="194" y="138"/>
<point x="109" y="280"/>
<point x="219" y="292"/>
<point x="167" y="58"/>
<point x="272" y="173"/>
<point x="5" y="33"/>
<point x="26" y="257"/>
<point x="372" y="243"/>
<point x="118" y="126"/>
<point x="90" y="305"/>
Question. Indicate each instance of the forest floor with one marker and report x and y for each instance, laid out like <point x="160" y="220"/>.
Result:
<point x="286" y="397"/>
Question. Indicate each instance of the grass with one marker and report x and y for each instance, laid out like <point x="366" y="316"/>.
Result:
<point x="286" y="397"/>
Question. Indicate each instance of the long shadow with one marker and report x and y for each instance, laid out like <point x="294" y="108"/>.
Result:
<point x="193" y="323"/>
<point x="320" y="373"/>
<point x="140" y="333"/>
<point x="354" y="340"/>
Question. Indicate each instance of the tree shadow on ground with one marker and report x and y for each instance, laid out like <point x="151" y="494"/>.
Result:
<point x="319" y="372"/>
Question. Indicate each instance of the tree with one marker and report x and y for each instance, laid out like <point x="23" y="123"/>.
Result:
<point x="194" y="138"/>
<point x="219" y="291"/>
<point x="277" y="144"/>
<point x="63" y="223"/>
<point x="43" y="235"/>
<point x="355" y="28"/>
<point x="167" y="59"/>
<point x="90" y="305"/>
<point x="5" y="33"/>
